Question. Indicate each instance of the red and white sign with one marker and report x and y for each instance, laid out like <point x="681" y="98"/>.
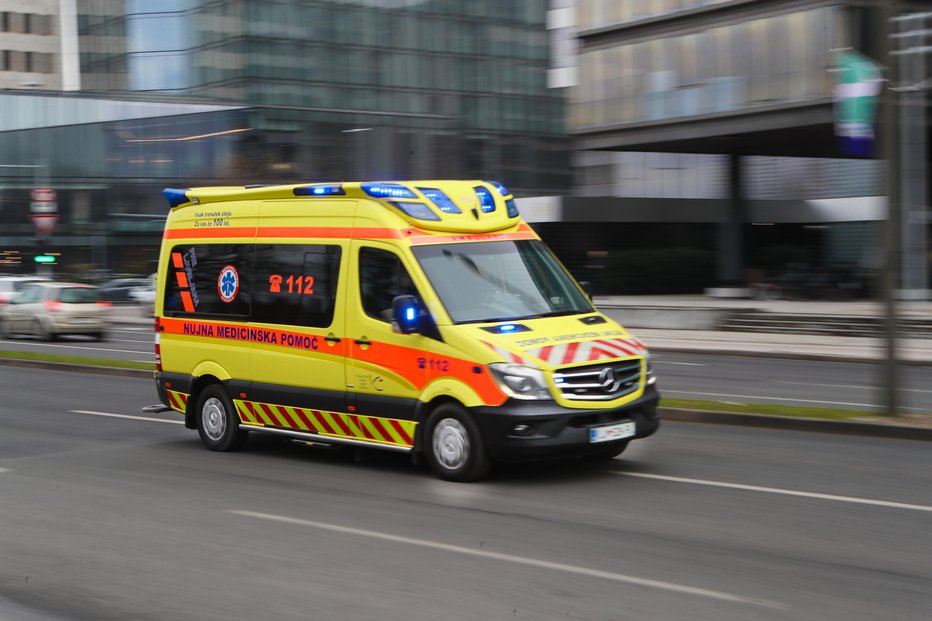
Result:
<point x="44" y="209"/>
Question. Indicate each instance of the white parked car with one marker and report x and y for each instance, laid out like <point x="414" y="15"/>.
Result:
<point x="145" y="296"/>
<point x="11" y="285"/>
<point x="49" y="309"/>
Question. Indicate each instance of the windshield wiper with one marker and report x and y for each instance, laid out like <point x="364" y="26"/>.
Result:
<point x="561" y="313"/>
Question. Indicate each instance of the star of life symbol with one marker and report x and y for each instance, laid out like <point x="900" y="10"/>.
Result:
<point x="228" y="284"/>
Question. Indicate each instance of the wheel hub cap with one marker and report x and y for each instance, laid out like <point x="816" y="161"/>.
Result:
<point x="451" y="443"/>
<point x="214" y="418"/>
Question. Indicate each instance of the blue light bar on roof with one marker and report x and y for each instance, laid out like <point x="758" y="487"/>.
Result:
<point x="176" y="196"/>
<point x="486" y="200"/>
<point x="441" y="200"/>
<point x="501" y="189"/>
<point x="324" y="189"/>
<point x="387" y="190"/>
<point x="416" y="210"/>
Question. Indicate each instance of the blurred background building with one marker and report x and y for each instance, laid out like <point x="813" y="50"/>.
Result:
<point x="194" y="92"/>
<point x="658" y="145"/>
<point x="706" y="138"/>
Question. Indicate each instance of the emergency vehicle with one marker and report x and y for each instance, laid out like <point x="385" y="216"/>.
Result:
<point x="421" y="316"/>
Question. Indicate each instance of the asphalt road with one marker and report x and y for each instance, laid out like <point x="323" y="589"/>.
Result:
<point x="105" y="518"/>
<point x="707" y="377"/>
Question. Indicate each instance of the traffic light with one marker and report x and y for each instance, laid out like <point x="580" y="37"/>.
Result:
<point x="45" y="259"/>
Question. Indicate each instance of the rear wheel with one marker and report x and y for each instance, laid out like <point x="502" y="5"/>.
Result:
<point x="455" y="450"/>
<point x="217" y="422"/>
<point x="42" y="331"/>
<point x="5" y="331"/>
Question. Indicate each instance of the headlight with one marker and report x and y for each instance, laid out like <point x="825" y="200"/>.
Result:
<point x="519" y="381"/>
<point x="649" y="368"/>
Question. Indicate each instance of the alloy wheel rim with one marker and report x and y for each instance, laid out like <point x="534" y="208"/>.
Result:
<point x="214" y="418"/>
<point x="451" y="443"/>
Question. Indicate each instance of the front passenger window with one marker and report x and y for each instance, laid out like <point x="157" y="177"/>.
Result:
<point x="382" y="277"/>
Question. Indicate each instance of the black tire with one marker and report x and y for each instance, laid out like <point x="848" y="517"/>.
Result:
<point x="217" y="422"/>
<point x="5" y="332"/>
<point x="453" y="445"/>
<point x="97" y="336"/>
<point x="608" y="452"/>
<point x="42" y="332"/>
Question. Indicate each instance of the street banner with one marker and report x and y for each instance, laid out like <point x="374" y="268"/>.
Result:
<point x="859" y="85"/>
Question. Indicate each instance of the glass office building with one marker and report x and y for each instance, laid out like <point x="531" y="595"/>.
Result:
<point x="198" y="92"/>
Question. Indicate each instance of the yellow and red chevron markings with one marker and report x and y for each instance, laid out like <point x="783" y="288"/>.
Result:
<point x="353" y="426"/>
<point x="588" y="351"/>
<point x="177" y="400"/>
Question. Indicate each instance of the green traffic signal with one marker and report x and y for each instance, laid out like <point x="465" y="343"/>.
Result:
<point x="44" y="258"/>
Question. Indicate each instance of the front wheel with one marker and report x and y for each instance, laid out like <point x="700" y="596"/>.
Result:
<point x="455" y="450"/>
<point x="217" y="422"/>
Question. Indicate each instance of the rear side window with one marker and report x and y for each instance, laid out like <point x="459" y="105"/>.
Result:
<point x="78" y="295"/>
<point x="296" y="284"/>
<point x="209" y="280"/>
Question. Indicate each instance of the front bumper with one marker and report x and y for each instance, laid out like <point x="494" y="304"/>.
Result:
<point x="556" y="431"/>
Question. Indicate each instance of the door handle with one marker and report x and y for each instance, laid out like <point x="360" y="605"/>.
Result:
<point x="332" y="339"/>
<point x="363" y="341"/>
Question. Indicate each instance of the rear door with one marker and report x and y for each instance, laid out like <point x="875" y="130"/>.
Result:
<point x="298" y="349"/>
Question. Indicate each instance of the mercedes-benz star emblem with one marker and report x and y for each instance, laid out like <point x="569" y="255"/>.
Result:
<point x="608" y="381"/>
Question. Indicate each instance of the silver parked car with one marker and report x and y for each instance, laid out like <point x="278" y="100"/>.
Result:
<point x="50" y="309"/>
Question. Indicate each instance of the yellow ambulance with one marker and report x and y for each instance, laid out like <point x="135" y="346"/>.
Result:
<point x="421" y="316"/>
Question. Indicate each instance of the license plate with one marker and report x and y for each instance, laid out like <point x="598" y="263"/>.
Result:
<point x="608" y="433"/>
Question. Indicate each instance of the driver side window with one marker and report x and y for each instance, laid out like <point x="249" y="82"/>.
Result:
<point x="382" y="277"/>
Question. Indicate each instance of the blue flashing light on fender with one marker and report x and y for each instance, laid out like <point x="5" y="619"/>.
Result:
<point x="329" y="189"/>
<point x="508" y="327"/>
<point x="486" y="200"/>
<point x="441" y="200"/>
<point x="387" y="190"/>
<point x="176" y="196"/>
<point x="410" y="313"/>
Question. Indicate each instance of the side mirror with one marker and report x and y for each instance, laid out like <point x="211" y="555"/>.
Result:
<point x="587" y="288"/>
<point x="405" y="311"/>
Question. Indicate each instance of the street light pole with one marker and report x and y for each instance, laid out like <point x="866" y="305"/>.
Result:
<point x="890" y="153"/>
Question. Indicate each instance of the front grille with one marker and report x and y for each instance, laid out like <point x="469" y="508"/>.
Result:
<point x="599" y="382"/>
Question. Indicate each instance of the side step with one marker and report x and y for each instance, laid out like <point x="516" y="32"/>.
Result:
<point x="304" y="436"/>
<point x="158" y="408"/>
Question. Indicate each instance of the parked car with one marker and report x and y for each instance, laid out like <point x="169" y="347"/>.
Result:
<point x="119" y="290"/>
<point x="145" y="295"/>
<point x="48" y="310"/>
<point x="11" y="285"/>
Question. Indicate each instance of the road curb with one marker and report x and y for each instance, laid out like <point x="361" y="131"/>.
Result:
<point x="778" y="355"/>
<point x="76" y="368"/>
<point x="857" y="428"/>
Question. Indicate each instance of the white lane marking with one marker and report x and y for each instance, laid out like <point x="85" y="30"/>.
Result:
<point x="5" y="470"/>
<point x="780" y="491"/>
<point x="123" y="351"/>
<point x="850" y="386"/>
<point x="718" y="394"/>
<point x="149" y="361"/>
<point x="682" y="364"/>
<point x="142" y="418"/>
<point x="510" y="558"/>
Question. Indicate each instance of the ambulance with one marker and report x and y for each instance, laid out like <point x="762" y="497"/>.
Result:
<point x="424" y="317"/>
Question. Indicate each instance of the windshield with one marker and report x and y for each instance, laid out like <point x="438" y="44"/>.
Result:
<point x="500" y="281"/>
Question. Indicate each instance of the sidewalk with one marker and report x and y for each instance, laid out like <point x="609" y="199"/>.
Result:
<point x="631" y="311"/>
